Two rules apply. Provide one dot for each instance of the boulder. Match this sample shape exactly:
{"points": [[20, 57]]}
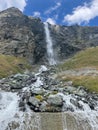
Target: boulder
{"points": [[55, 100], [43, 106], [38, 91], [34, 101]]}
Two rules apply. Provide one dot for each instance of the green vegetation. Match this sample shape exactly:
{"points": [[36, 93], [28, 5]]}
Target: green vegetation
{"points": [[89, 82], [39, 97], [85, 58], [11, 65]]}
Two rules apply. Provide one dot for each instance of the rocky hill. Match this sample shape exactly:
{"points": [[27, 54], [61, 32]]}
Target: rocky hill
{"points": [[19, 34], [24, 36]]}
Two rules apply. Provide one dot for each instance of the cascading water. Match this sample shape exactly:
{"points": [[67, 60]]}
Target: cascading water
{"points": [[76, 113], [10, 116], [85, 119], [50, 51]]}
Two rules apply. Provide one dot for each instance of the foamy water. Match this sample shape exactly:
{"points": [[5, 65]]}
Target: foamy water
{"points": [[9, 112], [86, 118], [8, 108]]}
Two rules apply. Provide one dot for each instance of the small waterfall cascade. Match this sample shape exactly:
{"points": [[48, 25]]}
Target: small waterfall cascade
{"points": [[86, 119], [50, 52], [12, 118], [76, 113]]}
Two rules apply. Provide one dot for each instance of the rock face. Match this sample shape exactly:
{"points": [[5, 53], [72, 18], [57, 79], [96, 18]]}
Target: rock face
{"points": [[70, 39], [24, 36], [20, 35]]}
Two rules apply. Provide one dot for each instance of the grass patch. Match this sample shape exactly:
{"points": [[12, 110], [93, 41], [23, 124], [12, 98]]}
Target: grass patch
{"points": [[89, 82], [11, 65], [85, 58]]}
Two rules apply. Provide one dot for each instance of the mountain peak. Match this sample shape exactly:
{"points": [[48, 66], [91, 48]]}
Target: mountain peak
{"points": [[10, 12], [13, 9]]}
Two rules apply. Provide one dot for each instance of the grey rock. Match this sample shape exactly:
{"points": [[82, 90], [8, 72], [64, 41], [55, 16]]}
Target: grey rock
{"points": [[22, 106], [81, 92], [69, 83], [76, 103], [21, 77], [34, 101], [38, 91], [56, 100], [69, 89], [43, 106]]}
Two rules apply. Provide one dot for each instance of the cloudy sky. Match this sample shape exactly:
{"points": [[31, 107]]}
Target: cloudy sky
{"points": [[66, 12]]}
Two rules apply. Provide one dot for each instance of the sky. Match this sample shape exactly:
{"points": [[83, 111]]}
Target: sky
{"points": [[63, 12]]}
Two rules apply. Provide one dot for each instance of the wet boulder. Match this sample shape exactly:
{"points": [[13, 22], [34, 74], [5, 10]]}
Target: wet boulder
{"points": [[55, 100]]}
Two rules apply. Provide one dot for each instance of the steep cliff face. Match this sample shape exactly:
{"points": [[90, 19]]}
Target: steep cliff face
{"points": [[24, 36], [20, 35], [70, 39]]}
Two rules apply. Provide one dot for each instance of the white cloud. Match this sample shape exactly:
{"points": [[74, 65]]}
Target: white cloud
{"points": [[51, 21], [4, 4], [83, 14], [53, 8], [36, 14]]}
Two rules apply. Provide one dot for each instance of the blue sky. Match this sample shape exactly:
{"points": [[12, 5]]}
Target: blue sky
{"points": [[65, 12]]}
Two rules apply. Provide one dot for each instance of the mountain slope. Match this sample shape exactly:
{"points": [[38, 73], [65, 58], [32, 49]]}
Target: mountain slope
{"points": [[82, 69], [22, 35], [85, 58], [11, 65]]}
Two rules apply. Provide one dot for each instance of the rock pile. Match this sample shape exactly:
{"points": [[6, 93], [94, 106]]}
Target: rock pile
{"points": [[42, 93]]}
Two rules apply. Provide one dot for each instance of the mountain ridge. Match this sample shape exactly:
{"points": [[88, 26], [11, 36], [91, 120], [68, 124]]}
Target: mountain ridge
{"points": [[24, 36]]}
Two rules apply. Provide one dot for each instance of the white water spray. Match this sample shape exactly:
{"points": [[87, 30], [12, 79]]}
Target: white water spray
{"points": [[50, 52]]}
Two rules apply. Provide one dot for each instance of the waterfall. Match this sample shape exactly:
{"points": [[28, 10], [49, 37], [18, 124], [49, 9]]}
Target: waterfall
{"points": [[50, 51]]}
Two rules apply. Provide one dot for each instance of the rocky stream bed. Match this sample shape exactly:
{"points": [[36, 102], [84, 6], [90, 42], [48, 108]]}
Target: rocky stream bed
{"points": [[24, 94]]}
